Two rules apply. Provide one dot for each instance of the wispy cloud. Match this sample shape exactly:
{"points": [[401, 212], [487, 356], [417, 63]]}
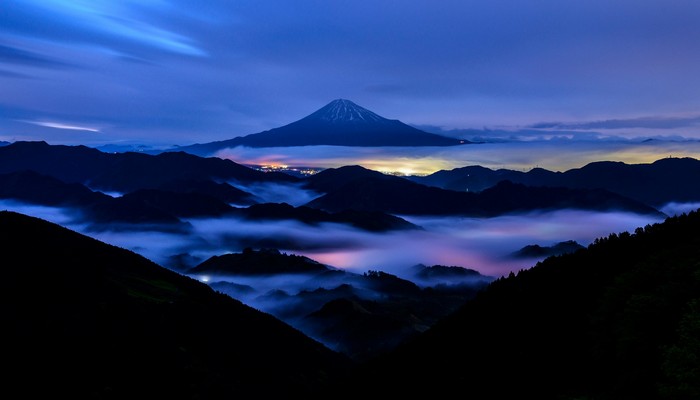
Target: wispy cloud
{"points": [[644, 122], [13, 55], [62, 125], [124, 27]]}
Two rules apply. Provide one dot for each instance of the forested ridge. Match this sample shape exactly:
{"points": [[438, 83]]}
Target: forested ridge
{"points": [[619, 319]]}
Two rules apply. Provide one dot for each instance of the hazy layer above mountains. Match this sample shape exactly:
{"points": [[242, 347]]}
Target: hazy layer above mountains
{"points": [[555, 155]]}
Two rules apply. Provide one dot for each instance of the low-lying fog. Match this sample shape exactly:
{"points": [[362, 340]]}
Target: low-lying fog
{"points": [[483, 244]]}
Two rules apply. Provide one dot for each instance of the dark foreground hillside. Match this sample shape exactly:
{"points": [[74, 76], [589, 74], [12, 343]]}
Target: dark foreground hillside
{"points": [[84, 319], [617, 320]]}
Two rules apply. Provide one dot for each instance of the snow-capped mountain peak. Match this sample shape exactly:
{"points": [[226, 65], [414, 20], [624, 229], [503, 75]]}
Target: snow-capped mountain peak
{"points": [[342, 110]]}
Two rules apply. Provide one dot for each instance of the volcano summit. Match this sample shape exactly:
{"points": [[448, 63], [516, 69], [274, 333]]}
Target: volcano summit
{"points": [[339, 123]]}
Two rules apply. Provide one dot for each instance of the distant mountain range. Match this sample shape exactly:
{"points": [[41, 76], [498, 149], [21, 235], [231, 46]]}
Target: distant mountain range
{"points": [[125, 172], [167, 187], [663, 181], [168, 208], [339, 123], [357, 188]]}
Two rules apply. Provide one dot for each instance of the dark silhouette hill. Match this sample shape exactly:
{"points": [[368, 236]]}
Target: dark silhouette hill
{"points": [[32, 187], [95, 208], [165, 207], [443, 274], [84, 319], [125, 172], [536, 250], [354, 188], [258, 262], [617, 320], [339, 123], [332, 179], [656, 184]]}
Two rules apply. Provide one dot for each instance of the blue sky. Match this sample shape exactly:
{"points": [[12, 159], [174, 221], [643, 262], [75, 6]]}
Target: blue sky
{"points": [[181, 72]]}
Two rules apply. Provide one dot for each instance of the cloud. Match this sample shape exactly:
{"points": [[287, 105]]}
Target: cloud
{"points": [[675, 208], [483, 244], [646, 122], [120, 26], [271, 192], [62, 125], [15, 55]]}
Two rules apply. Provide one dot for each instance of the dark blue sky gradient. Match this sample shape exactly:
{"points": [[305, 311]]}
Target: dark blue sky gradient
{"points": [[181, 72]]}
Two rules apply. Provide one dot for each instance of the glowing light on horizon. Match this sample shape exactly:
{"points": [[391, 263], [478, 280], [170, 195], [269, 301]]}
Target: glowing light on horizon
{"points": [[520, 156]]}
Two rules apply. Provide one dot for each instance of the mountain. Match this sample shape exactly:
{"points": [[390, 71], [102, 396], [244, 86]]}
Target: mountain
{"points": [[258, 262], [656, 184], [125, 172], [93, 208], [339, 123], [619, 319], [90, 320], [31, 187], [446, 275], [535, 250], [165, 208], [355, 188]]}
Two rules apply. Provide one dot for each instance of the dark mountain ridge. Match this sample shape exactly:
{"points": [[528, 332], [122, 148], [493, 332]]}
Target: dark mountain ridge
{"points": [[168, 208], [89, 320], [356, 188], [619, 319], [538, 251], [197, 181], [125, 172], [260, 262], [339, 123], [656, 184]]}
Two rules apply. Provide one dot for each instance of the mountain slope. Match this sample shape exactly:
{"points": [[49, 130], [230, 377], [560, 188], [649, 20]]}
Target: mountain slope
{"points": [[166, 207], [88, 320], [617, 320], [339, 123], [355, 188], [670, 179], [125, 172]]}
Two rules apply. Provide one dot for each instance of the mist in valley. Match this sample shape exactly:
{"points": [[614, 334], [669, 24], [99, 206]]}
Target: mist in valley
{"points": [[483, 244]]}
